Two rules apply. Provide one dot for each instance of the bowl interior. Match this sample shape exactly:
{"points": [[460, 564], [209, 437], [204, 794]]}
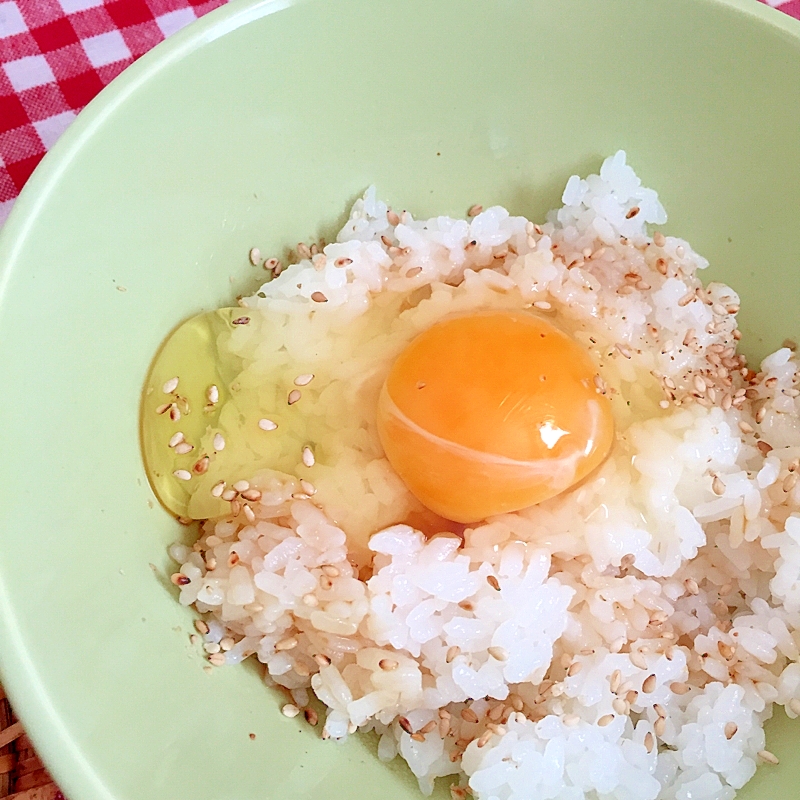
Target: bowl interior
{"points": [[258, 126]]}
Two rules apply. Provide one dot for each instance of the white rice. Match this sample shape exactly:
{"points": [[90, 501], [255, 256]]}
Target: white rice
{"points": [[645, 622]]}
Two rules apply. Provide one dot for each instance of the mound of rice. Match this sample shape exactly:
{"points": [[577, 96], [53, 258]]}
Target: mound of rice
{"points": [[624, 640]]}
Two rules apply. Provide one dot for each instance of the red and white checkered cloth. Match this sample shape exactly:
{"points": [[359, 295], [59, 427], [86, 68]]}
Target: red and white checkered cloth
{"points": [[56, 55]]}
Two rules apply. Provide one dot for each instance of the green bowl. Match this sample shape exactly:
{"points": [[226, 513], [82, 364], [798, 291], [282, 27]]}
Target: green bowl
{"points": [[259, 125]]}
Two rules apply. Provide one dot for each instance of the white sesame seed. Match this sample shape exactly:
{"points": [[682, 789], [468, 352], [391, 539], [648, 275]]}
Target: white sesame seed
{"points": [[267, 425], [649, 742], [717, 486], [174, 412], [286, 644], [730, 730], [252, 495], [498, 653], [229, 494], [543, 305], [219, 441], [217, 659], [176, 439], [255, 256], [294, 396], [212, 393], [217, 489], [182, 474], [183, 448], [304, 380], [311, 600], [691, 586], [638, 660], [308, 456], [770, 758], [389, 664], [620, 706], [241, 486], [473, 211], [170, 386], [453, 652], [308, 487], [249, 514], [290, 710]]}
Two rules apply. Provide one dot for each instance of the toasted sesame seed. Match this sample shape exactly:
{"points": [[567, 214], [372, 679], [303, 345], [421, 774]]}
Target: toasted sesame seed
{"points": [[649, 742], [770, 758], [764, 448], [311, 716], [789, 482], [392, 217], [485, 737], [493, 582], [163, 408], [659, 726], [760, 414], [286, 644], [717, 486], [691, 586], [389, 664], [240, 321], [605, 720], [179, 579], [308, 456], [730, 730], [474, 210], [413, 272], [201, 465], [649, 684], [217, 659], [319, 297], [251, 495], [744, 427], [499, 653], [632, 212], [405, 724], [725, 650], [574, 668], [174, 412], [294, 396], [658, 239], [679, 688], [687, 298], [452, 653], [182, 474], [468, 715], [176, 439]]}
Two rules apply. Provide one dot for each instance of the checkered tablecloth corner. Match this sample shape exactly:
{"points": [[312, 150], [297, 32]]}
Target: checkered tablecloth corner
{"points": [[56, 55]]}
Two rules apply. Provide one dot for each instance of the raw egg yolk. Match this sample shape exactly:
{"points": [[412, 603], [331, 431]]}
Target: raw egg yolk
{"points": [[492, 412]]}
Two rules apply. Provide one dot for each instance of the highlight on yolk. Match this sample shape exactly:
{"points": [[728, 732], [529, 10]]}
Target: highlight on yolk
{"points": [[492, 412]]}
